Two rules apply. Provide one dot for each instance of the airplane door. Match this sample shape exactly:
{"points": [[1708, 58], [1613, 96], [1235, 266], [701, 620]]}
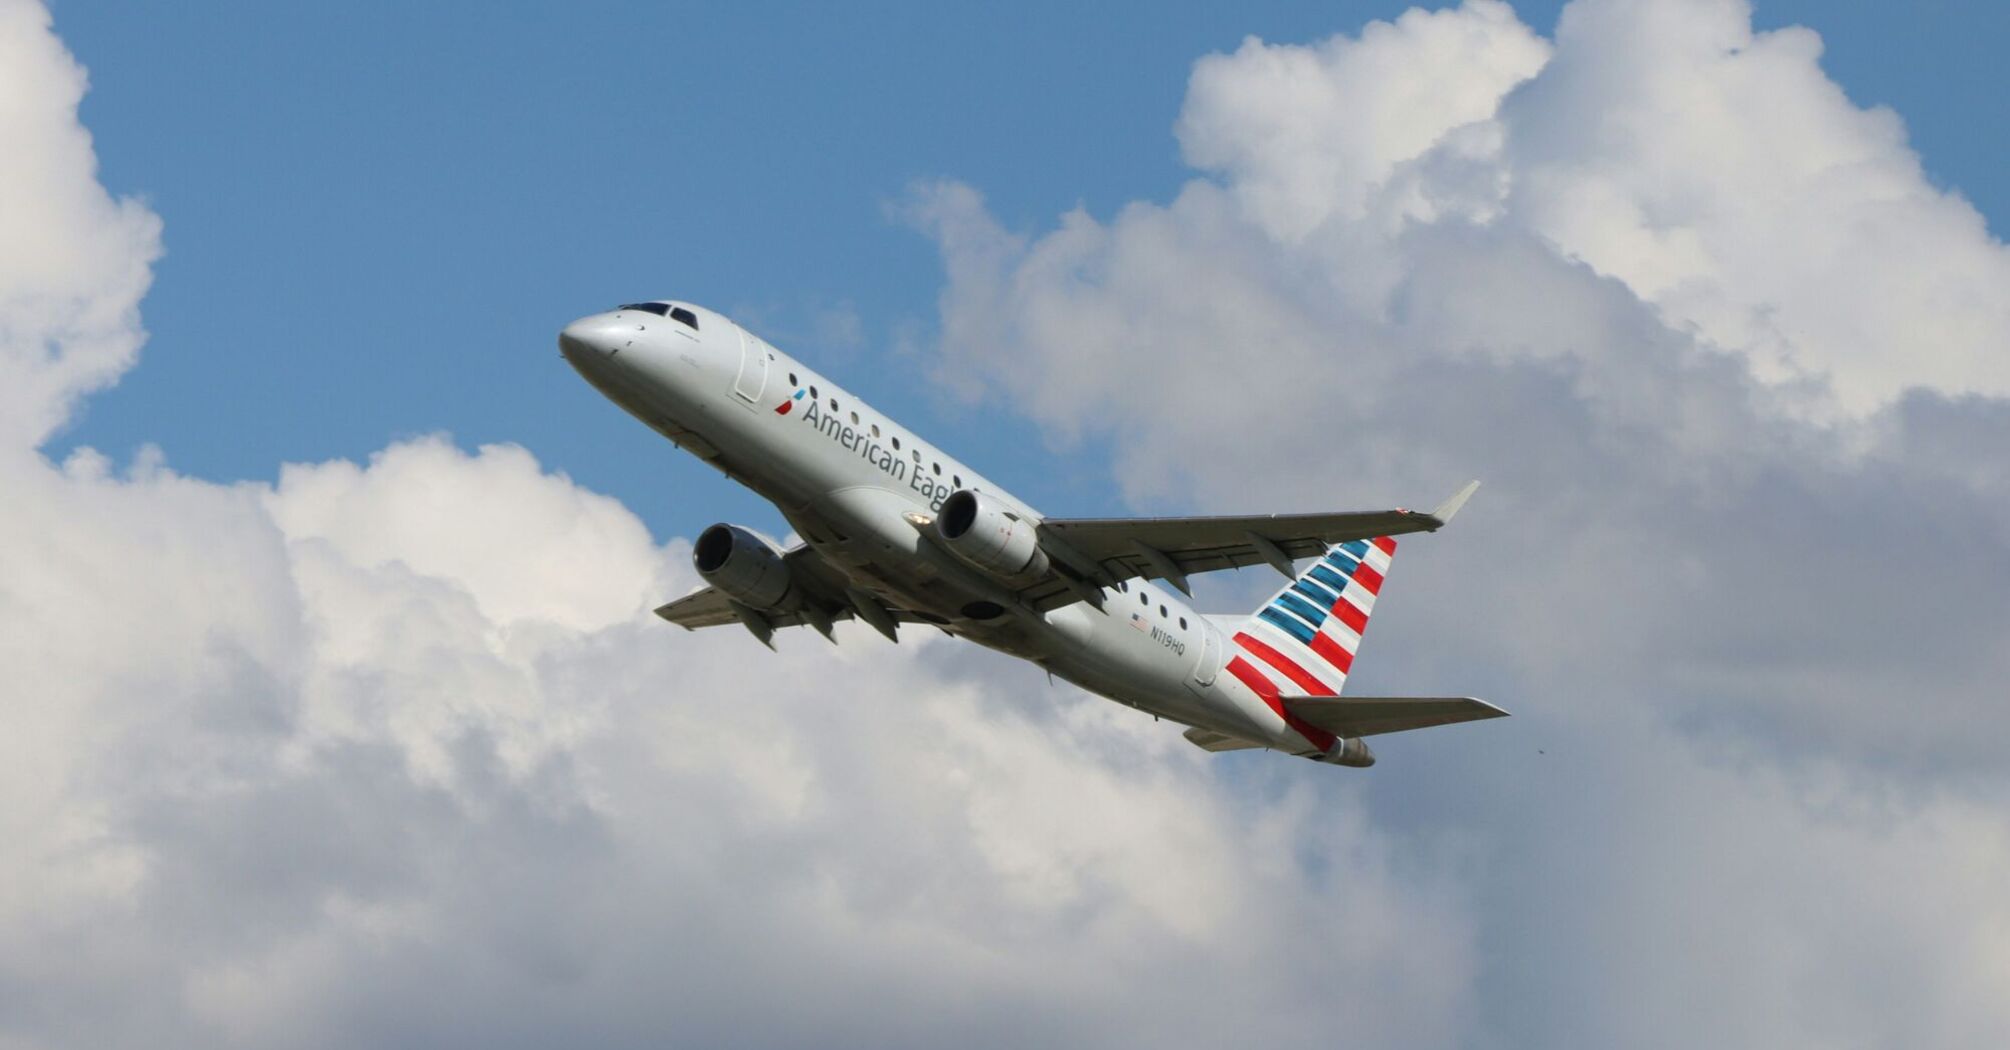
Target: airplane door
{"points": [[1210, 655], [753, 367]]}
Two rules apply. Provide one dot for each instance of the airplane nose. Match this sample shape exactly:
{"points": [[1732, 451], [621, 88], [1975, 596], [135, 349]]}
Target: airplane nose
{"points": [[587, 338]]}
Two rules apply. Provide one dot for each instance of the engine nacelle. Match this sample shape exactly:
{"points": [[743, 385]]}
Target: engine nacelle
{"points": [[991, 538], [746, 567], [1352, 751]]}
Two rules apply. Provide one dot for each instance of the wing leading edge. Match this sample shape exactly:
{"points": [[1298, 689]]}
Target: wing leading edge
{"points": [[1107, 550]]}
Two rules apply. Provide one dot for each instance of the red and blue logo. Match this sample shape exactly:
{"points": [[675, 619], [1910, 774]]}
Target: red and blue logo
{"points": [[784, 408]]}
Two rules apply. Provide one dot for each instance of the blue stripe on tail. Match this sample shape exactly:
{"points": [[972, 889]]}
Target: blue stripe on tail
{"points": [[1290, 626], [1312, 614], [1320, 595], [1333, 580]]}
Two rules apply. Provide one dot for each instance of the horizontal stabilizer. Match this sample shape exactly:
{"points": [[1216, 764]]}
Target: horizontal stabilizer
{"points": [[1354, 716], [1209, 740]]}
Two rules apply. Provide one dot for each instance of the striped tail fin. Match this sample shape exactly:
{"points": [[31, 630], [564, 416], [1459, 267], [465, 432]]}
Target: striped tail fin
{"points": [[1303, 639]]}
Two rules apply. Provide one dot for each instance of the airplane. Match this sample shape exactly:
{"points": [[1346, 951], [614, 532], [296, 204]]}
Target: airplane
{"points": [[896, 531]]}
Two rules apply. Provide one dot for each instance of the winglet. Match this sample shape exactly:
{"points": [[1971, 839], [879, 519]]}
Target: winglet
{"points": [[1451, 506]]}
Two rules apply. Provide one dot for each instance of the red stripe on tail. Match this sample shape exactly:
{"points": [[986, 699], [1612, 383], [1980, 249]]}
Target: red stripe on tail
{"points": [[1248, 675], [1350, 615], [1330, 650], [1284, 663]]}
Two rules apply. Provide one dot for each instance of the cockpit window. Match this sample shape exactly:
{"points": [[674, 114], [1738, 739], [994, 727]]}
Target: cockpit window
{"points": [[659, 309], [686, 316]]}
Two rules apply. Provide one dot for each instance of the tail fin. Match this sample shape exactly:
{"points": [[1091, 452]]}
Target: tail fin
{"points": [[1306, 634]]}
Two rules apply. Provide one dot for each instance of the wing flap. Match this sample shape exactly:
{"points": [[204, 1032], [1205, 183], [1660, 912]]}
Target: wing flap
{"points": [[1209, 740], [1356, 716], [703, 607], [706, 607]]}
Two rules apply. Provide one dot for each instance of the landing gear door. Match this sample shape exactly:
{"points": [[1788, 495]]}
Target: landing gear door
{"points": [[753, 367]]}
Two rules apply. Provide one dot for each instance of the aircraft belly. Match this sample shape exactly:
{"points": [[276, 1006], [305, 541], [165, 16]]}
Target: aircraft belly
{"points": [[862, 532], [1174, 704], [1104, 653]]}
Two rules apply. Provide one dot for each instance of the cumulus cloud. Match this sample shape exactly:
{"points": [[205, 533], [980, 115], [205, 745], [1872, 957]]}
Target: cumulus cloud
{"points": [[1725, 179], [1733, 370], [1715, 171], [74, 261], [1377, 349], [287, 770], [1310, 133], [391, 752]]}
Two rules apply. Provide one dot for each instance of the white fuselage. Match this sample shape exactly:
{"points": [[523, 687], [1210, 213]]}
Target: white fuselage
{"points": [[852, 482]]}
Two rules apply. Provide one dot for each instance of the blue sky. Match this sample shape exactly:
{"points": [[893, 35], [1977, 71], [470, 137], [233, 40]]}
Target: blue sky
{"points": [[344, 735], [377, 214]]}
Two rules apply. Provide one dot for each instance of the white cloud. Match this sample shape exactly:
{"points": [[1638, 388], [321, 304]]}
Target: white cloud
{"points": [[392, 752], [73, 260], [544, 551], [1728, 181], [1438, 335], [1732, 370], [283, 771], [1716, 172], [1314, 132]]}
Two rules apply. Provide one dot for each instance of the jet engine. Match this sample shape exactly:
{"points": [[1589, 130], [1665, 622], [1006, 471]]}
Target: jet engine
{"points": [[1352, 751], [980, 530], [746, 567]]}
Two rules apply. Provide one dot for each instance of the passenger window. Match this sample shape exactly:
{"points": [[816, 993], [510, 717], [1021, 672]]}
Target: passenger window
{"points": [[896, 444], [917, 456], [813, 391], [854, 419], [1144, 599], [956, 480], [875, 430], [1182, 623], [1162, 612], [834, 404], [938, 469], [792, 379]]}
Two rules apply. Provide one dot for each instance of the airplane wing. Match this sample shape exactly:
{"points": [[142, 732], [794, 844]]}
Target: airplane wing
{"points": [[1352, 716], [1170, 548], [824, 593], [710, 607], [706, 607]]}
